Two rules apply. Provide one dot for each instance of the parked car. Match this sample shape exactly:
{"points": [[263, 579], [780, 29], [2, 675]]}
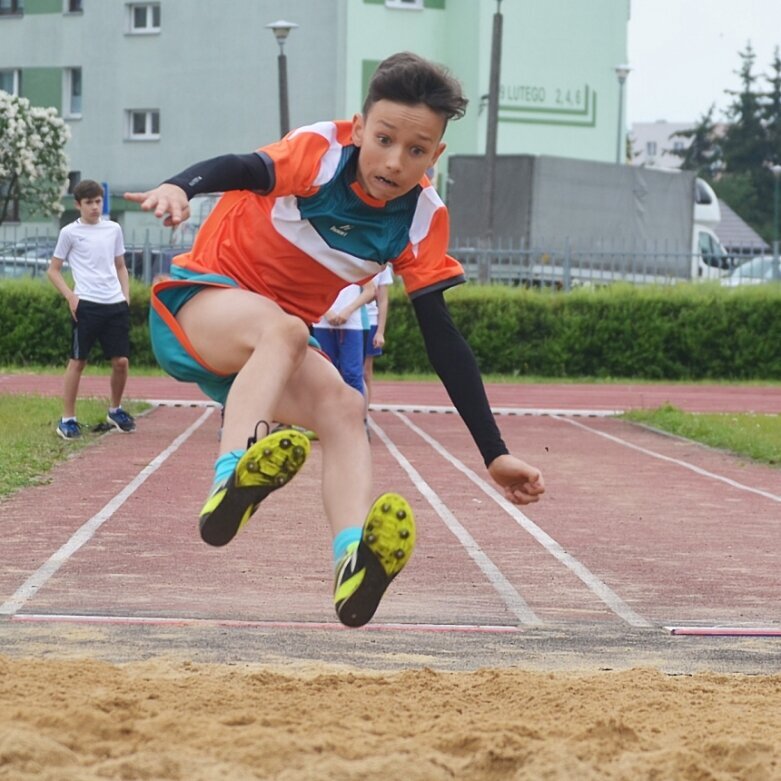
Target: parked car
{"points": [[146, 262], [28, 257], [752, 272]]}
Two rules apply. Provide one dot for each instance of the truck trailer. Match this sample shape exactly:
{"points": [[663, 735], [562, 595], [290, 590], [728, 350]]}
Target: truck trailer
{"points": [[564, 222]]}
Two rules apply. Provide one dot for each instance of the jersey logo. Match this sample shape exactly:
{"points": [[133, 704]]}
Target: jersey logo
{"points": [[341, 230]]}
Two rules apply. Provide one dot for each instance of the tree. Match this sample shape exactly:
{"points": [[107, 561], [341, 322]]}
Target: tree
{"points": [[747, 184], [33, 165], [745, 143], [703, 154], [771, 110]]}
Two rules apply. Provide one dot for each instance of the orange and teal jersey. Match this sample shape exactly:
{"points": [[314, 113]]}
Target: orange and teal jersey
{"points": [[317, 231]]}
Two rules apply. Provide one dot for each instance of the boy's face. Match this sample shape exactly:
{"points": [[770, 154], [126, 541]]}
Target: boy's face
{"points": [[90, 209], [398, 143]]}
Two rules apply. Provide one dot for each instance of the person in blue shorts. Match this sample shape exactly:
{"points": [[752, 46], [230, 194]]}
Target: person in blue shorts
{"points": [[340, 332], [374, 336]]}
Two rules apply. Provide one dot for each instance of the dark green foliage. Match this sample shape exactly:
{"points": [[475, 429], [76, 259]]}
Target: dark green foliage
{"points": [[703, 154], [688, 332], [35, 325], [736, 160]]}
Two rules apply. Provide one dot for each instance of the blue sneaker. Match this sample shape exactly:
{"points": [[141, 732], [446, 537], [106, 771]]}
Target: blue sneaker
{"points": [[121, 420], [69, 429]]}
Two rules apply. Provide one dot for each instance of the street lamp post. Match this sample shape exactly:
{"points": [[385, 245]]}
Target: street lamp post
{"points": [[622, 71], [281, 30], [776, 169]]}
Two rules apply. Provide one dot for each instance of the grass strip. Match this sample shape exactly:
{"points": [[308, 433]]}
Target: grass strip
{"points": [[750, 435], [30, 446]]}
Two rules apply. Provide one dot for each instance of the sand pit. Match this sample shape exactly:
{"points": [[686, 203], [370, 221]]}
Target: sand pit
{"points": [[79, 720]]}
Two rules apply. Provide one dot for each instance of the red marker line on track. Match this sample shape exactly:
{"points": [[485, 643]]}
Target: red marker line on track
{"points": [[726, 631], [237, 624]]}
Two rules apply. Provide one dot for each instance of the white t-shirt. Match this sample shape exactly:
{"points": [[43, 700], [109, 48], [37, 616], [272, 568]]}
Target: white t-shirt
{"points": [[384, 278], [90, 250], [346, 296]]}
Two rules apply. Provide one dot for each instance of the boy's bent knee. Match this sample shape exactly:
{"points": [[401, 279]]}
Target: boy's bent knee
{"points": [[293, 333], [120, 363], [344, 405]]}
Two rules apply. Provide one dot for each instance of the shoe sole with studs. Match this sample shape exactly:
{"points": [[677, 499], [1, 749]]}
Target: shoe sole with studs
{"points": [[266, 466], [386, 546]]}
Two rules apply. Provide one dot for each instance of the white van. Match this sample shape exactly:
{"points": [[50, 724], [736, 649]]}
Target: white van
{"points": [[708, 254]]}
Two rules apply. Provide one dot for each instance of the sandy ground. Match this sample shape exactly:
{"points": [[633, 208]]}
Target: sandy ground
{"points": [[78, 720]]}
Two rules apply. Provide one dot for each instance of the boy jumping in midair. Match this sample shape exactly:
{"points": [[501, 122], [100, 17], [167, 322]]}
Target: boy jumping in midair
{"points": [[328, 205]]}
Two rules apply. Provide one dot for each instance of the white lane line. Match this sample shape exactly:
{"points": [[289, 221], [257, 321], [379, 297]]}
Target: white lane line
{"points": [[685, 464], [594, 584], [725, 631], [247, 624], [511, 598], [499, 411], [83, 534], [430, 409], [183, 403]]}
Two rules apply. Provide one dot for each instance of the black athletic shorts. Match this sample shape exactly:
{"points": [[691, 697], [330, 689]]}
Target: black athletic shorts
{"points": [[107, 323]]}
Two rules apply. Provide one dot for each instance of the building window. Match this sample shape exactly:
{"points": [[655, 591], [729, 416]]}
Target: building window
{"points": [[72, 92], [678, 146], [650, 148], [143, 124], [9, 81], [144, 18], [11, 7], [415, 5], [74, 6]]}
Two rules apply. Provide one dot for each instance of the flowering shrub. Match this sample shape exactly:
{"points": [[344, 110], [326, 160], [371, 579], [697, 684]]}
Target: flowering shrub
{"points": [[33, 165]]}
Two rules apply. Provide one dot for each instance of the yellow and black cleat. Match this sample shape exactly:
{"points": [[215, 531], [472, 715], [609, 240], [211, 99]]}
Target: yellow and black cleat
{"points": [[267, 465], [366, 571]]}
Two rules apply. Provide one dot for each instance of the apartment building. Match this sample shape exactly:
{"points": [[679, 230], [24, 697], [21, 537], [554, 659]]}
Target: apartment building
{"points": [[149, 87]]}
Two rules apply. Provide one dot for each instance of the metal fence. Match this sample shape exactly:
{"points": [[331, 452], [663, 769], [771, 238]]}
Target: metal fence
{"points": [[556, 265], [26, 253], [559, 265]]}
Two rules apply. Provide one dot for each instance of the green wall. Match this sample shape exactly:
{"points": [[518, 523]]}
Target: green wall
{"points": [[43, 87], [426, 3], [43, 6]]}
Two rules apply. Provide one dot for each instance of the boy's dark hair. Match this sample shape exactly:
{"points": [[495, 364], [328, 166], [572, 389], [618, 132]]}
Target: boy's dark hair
{"points": [[87, 188], [410, 79]]}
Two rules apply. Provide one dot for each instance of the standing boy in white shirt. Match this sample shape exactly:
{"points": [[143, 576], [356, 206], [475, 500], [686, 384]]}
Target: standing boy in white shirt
{"points": [[99, 302]]}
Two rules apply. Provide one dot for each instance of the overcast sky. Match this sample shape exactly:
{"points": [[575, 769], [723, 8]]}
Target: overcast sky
{"points": [[684, 53]]}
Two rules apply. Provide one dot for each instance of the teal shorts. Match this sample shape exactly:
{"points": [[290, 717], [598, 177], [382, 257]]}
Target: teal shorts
{"points": [[170, 344]]}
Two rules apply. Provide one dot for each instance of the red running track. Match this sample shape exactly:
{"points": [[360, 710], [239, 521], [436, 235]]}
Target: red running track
{"points": [[637, 529], [583, 396]]}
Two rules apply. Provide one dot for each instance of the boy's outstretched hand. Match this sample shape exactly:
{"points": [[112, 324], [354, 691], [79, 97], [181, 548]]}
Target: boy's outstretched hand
{"points": [[522, 484], [167, 200]]}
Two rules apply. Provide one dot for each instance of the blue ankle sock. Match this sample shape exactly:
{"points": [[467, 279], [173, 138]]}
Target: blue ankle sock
{"points": [[343, 540], [225, 464]]}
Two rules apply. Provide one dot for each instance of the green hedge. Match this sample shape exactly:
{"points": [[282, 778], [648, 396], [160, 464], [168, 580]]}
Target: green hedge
{"points": [[35, 325], [687, 332]]}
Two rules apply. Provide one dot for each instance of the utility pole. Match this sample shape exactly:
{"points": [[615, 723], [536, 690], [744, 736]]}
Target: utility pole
{"points": [[492, 122]]}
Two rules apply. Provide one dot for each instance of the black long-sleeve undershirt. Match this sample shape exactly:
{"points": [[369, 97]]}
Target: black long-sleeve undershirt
{"points": [[454, 362], [253, 171]]}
